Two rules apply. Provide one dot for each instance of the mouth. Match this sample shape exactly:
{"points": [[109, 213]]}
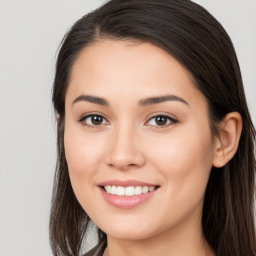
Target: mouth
{"points": [[127, 194], [129, 190]]}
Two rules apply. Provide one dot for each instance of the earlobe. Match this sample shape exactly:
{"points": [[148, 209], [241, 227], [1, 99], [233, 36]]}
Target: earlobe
{"points": [[226, 145]]}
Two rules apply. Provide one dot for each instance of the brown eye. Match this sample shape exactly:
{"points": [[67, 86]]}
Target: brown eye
{"points": [[161, 120], [93, 120], [96, 120]]}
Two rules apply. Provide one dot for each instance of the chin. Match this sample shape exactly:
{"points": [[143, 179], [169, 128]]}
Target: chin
{"points": [[131, 231], [130, 234]]}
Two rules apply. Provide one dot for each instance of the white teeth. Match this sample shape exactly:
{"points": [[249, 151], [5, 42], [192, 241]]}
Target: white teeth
{"points": [[138, 190], [128, 191], [151, 189], [120, 191], [108, 189], [145, 189], [113, 190]]}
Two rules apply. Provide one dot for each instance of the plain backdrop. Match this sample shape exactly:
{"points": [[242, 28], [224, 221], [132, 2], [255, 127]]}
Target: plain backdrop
{"points": [[30, 33]]}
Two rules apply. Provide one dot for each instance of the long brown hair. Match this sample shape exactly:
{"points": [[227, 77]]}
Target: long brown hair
{"points": [[199, 42]]}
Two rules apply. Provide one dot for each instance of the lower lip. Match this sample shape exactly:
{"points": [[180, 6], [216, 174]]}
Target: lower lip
{"points": [[126, 202]]}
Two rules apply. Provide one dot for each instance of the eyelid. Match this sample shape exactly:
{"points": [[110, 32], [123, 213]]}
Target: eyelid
{"points": [[81, 120], [172, 119]]}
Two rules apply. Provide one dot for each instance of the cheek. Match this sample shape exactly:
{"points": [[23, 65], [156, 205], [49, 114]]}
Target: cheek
{"points": [[82, 151], [83, 154], [185, 161]]}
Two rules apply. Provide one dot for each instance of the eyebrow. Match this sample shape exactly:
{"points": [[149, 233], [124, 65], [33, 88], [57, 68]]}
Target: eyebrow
{"points": [[142, 103], [92, 99], [160, 99]]}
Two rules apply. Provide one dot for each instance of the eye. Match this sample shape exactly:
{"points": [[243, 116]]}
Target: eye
{"points": [[161, 120], [93, 120]]}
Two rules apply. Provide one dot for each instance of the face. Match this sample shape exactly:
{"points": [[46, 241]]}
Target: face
{"points": [[137, 140]]}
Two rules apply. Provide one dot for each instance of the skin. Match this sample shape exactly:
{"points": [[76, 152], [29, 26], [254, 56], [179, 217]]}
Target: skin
{"points": [[129, 144]]}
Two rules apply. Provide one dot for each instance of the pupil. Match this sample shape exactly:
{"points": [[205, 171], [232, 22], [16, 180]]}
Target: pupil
{"points": [[96, 120], [161, 120]]}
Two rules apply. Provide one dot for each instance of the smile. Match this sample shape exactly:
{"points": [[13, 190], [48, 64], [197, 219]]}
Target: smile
{"points": [[128, 191], [127, 194]]}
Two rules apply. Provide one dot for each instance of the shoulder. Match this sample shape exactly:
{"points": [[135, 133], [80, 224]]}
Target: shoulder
{"points": [[98, 250]]}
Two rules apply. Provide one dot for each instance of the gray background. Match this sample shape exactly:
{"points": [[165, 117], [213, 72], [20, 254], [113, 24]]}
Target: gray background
{"points": [[30, 32]]}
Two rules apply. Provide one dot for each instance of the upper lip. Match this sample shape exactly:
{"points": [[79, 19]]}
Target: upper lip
{"points": [[126, 183]]}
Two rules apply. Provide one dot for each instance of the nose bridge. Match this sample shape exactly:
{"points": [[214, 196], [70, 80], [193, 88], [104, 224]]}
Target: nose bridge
{"points": [[125, 152]]}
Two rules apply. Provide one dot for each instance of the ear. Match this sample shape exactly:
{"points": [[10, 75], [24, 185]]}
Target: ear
{"points": [[226, 145]]}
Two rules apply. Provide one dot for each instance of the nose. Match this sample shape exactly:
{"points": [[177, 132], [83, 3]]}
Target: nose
{"points": [[125, 151]]}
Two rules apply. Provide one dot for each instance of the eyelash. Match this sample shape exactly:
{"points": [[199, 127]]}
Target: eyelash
{"points": [[171, 120], [82, 120]]}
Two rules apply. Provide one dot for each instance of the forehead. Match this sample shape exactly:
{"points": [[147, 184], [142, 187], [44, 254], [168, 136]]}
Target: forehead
{"points": [[112, 67]]}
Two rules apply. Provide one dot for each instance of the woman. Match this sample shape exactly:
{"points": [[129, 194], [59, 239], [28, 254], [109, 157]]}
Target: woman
{"points": [[155, 141]]}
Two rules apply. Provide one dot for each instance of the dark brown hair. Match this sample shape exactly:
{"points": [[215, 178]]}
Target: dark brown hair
{"points": [[198, 41]]}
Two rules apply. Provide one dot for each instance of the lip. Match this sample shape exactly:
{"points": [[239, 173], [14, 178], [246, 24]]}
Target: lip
{"points": [[126, 183], [126, 202]]}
